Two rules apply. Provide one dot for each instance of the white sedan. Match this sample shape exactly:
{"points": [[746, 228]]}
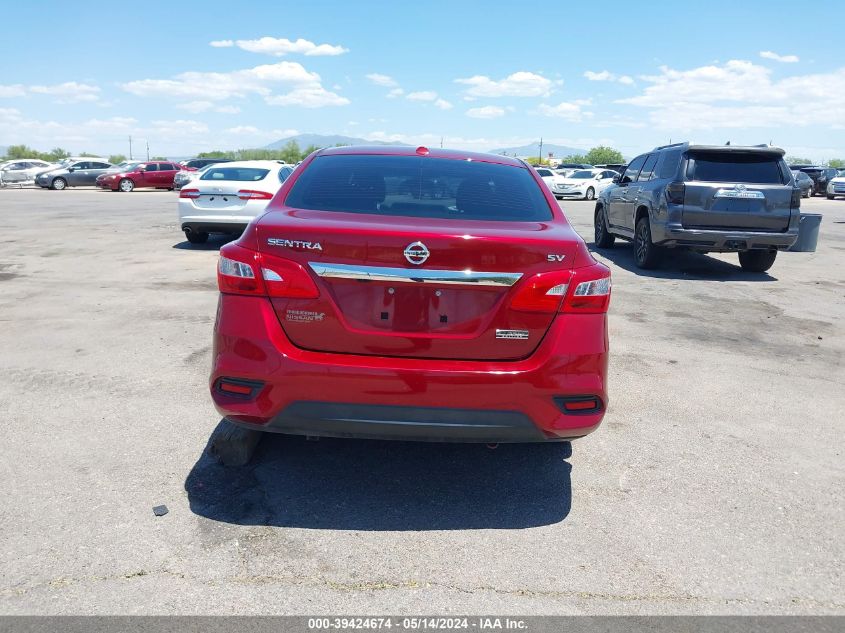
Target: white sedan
{"points": [[553, 180], [227, 196], [20, 171], [585, 183]]}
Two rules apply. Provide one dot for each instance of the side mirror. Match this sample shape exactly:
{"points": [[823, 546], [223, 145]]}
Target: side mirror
{"points": [[617, 178], [71, 168], [142, 168]]}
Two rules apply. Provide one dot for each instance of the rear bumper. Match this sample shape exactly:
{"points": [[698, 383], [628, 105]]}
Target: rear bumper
{"points": [[342, 395], [723, 240]]}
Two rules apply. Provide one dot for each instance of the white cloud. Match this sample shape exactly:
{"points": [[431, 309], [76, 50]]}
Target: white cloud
{"points": [[786, 59], [741, 94], [422, 95], [280, 46], [307, 91], [443, 104], [519, 84], [396, 92], [382, 80], [242, 129], [14, 90], [567, 110], [69, 92], [227, 109], [606, 75], [314, 96], [486, 112]]}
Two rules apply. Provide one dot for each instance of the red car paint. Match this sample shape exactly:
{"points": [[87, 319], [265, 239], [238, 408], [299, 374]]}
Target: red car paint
{"points": [[159, 178], [309, 350]]}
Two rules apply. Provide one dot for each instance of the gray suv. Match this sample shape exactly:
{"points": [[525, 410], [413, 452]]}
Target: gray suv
{"points": [[704, 198]]}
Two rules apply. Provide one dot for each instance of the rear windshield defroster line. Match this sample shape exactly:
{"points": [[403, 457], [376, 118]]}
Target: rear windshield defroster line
{"points": [[420, 187]]}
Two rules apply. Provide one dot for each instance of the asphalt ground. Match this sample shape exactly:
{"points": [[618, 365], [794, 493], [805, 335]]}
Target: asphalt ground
{"points": [[715, 484]]}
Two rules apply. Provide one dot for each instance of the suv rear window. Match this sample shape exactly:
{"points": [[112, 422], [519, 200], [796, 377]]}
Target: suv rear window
{"points": [[735, 167], [240, 174], [420, 187]]}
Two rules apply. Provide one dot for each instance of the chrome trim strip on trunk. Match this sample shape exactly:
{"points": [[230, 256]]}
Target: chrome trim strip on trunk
{"points": [[408, 275]]}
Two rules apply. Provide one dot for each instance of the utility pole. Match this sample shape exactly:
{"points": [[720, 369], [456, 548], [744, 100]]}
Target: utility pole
{"points": [[441, 142], [130, 147], [148, 149], [541, 151]]}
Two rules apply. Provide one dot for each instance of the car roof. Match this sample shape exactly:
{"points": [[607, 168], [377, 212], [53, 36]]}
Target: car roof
{"points": [[408, 150], [261, 164]]}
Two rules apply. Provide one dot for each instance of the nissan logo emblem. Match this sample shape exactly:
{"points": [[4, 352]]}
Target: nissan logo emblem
{"points": [[416, 253]]}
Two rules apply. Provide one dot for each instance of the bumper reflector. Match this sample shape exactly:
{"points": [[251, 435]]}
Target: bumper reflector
{"points": [[237, 388], [578, 405]]}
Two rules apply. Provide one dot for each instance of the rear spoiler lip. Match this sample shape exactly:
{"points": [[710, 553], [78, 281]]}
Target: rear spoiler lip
{"points": [[745, 149]]}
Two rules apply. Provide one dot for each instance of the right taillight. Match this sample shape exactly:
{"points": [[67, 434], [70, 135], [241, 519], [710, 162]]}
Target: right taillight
{"points": [[189, 193], [245, 272], [675, 192], [589, 290]]}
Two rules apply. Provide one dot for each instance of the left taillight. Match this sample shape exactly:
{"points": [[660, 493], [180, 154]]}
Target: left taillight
{"points": [[189, 193], [245, 272]]}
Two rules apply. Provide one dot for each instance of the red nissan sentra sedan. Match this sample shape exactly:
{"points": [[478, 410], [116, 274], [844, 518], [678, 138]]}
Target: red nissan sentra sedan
{"points": [[396, 293]]}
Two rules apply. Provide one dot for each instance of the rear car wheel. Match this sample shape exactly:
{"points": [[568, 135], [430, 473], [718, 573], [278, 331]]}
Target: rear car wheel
{"points": [[196, 237], [603, 237], [646, 252], [126, 185], [831, 197], [591, 194], [58, 184], [757, 261]]}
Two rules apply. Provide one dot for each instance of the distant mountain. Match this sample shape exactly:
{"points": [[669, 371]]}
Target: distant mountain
{"points": [[324, 140], [527, 151]]}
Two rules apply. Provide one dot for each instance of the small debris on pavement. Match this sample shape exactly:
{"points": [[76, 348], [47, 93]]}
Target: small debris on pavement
{"points": [[160, 511]]}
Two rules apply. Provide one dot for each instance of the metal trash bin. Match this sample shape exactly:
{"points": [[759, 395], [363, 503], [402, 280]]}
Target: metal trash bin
{"points": [[808, 233]]}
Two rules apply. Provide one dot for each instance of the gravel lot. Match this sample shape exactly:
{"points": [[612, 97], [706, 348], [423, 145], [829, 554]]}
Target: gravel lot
{"points": [[715, 484]]}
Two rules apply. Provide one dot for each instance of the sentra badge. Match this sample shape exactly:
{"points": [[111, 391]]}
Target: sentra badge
{"points": [[278, 241]]}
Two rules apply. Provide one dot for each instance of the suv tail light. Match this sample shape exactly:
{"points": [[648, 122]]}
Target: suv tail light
{"points": [[675, 192], [189, 193], [245, 272], [796, 198], [252, 194], [584, 290]]}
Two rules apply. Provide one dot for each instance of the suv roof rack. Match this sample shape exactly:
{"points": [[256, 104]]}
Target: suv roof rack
{"points": [[670, 145]]}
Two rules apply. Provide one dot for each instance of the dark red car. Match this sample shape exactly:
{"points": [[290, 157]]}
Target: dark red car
{"points": [[412, 294], [156, 174]]}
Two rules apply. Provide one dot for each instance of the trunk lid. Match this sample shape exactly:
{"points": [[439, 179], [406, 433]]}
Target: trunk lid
{"points": [[374, 300]]}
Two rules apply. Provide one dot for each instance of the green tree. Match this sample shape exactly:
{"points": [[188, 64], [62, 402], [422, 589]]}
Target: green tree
{"points": [[16, 152], [291, 152], [574, 158], [159, 158], [56, 154], [603, 155], [114, 159], [797, 160], [310, 150], [216, 154], [838, 163], [89, 154]]}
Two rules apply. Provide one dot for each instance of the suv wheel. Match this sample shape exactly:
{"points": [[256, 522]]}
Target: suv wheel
{"points": [[646, 252], [757, 261], [196, 237], [591, 194], [58, 184], [603, 237]]}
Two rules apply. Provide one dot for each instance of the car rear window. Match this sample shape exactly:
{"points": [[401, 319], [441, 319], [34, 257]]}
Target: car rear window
{"points": [[420, 187], [241, 174], [735, 167]]}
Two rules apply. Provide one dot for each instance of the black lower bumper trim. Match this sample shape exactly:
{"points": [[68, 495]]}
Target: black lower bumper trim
{"points": [[430, 424]]}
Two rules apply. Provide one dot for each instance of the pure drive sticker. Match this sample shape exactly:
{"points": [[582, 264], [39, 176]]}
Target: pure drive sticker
{"points": [[304, 316]]}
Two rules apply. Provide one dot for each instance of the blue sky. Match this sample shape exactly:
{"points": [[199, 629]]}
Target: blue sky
{"points": [[84, 76]]}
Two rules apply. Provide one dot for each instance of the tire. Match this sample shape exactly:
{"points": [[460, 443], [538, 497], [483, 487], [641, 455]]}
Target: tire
{"points": [[805, 194], [591, 194], [59, 184], [196, 237], [603, 237], [757, 261], [646, 252], [831, 197], [126, 185]]}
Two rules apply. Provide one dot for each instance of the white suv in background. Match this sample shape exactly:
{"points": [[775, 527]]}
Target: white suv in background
{"points": [[225, 197]]}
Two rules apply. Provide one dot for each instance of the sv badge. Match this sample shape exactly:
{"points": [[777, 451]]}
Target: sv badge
{"points": [[555, 258]]}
